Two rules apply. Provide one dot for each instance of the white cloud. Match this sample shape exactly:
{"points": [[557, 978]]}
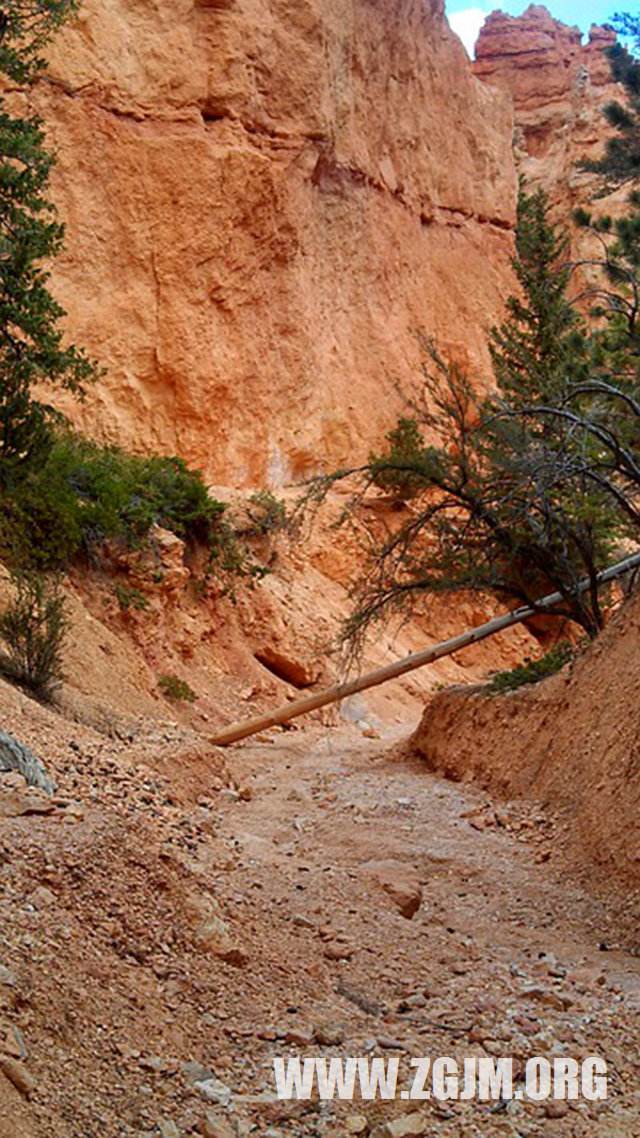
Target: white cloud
{"points": [[467, 24]]}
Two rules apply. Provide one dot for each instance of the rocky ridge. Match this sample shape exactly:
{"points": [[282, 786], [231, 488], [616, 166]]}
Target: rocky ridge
{"points": [[559, 87]]}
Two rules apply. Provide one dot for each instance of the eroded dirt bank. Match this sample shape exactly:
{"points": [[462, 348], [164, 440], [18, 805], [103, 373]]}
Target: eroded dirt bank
{"points": [[188, 915], [573, 740]]}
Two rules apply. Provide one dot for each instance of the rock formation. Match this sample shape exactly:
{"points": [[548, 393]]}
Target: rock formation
{"points": [[559, 88], [262, 199]]}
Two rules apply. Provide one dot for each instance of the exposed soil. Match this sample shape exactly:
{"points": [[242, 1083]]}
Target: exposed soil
{"points": [[573, 741], [173, 913]]}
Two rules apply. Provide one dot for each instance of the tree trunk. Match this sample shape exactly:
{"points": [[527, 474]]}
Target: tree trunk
{"points": [[417, 660]]}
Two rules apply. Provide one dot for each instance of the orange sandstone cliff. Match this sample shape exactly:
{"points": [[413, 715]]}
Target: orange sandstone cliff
{"points": [[559, 88], [262, 199]]}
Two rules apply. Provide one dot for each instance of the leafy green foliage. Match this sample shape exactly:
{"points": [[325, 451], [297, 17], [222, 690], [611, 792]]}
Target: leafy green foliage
{"points": [[31, 347], [531, 671], [399, 470], [83, 494], [129, 597], [620, 163], [617, 298], [176, 689], [27, 27], [498, 512], [231, 560], [541, 347], [604, 411], [267, 514], [33, 627]]}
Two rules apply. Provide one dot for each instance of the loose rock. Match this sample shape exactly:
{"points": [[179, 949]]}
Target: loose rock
{"points": [[556, 1109], [17, 1073], [400, 882], [215, 1091], [404, 1127], [168, 1129], [215, 1126], [356, 1124], [329, 1034]]}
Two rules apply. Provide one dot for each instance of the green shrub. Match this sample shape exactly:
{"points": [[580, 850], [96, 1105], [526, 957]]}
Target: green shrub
{"points": [[531, 671], [231, 560], [83, 494], [176, 689], [267, 514], [130, 598], [33, 627]]}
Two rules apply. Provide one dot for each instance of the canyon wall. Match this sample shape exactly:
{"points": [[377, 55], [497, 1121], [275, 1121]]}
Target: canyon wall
{"points": [[262, 199]]}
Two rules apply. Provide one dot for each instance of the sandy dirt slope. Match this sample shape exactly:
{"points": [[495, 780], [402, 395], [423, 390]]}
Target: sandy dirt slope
{"points": [[187, 907], [573, 740]]}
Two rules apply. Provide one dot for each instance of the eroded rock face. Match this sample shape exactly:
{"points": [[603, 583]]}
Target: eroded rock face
{"points": [[262, 198], [559, 87]]}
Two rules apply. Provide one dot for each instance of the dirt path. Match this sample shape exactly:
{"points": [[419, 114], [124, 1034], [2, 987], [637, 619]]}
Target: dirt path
{"points": [[311, 860]]}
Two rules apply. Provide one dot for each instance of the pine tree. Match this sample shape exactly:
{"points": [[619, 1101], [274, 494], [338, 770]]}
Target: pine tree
{"points": [[541, 346], [31, 342], [513, 498]]}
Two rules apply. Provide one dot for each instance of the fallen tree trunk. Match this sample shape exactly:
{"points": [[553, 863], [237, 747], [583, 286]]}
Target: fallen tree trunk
{"points": [[416, 660]]}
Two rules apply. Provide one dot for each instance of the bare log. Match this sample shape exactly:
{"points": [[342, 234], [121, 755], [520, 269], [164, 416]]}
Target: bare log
{"points": [[400, 667]]}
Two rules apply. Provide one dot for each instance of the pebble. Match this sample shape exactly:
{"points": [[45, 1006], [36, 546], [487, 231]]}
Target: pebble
{"points": [[329, 1034], [400, 882], [300, 1036], [302, 922], [17, 1073], [415, 1001], [168, 1129], [196, 1073], [215, 1091], [153, 1063], [356, 1124], [389, 1043], [403, 1127], [14, 1044], [215, 1126], [543, 996], [338, 952], [556, 1109]]}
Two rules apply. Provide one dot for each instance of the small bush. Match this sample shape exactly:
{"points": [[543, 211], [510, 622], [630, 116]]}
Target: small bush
{"points": [[130, 598], [531, 671], [176, 689], [230, 560], [83, 494], [267, 514], [33, 627]]}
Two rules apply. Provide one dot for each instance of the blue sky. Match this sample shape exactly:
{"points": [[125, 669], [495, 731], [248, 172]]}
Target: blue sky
{"points": [[466, 16]]}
